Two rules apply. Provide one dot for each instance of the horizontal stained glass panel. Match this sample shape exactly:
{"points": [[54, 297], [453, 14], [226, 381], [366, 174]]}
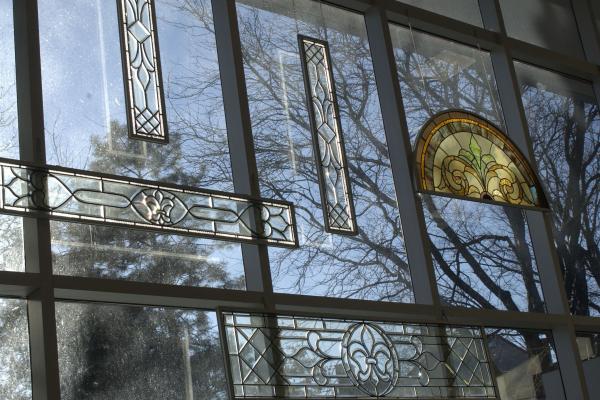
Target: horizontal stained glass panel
{"points": [[66, 194], [297, 357]]}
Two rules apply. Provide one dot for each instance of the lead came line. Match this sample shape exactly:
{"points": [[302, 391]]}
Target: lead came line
{"points": [[142, 71], [328, 142], [83, 196]]}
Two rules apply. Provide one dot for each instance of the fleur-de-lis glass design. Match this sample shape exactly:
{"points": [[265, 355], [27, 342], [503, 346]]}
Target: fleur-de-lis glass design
{"points": [[156, 206], [461, 154], [370, 359]]}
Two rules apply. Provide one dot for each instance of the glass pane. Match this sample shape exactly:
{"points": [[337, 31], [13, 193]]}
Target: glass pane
{"points": [[524, 363], [15, 374], [86, 128], [11, 228], [462, 10], [564, 124], [549, 24], [436, 74], [128, 352], [9, 134], [372, 264], [483, 255], [589, 352]]}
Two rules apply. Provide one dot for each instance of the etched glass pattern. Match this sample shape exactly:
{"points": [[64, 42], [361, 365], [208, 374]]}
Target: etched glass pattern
{"points": [[461, 154], [297, 357], [141, 68], [327, 136], [67, 194]]}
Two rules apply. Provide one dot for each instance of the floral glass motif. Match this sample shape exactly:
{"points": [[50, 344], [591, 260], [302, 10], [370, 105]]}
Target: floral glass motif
{"points": [[328, 141], [461, 154], [66, 194], [141, 68], [298, 357]]}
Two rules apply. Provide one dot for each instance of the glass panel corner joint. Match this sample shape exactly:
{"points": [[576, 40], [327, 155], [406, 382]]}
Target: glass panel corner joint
{"points": [[336, 196], [142, 71]]}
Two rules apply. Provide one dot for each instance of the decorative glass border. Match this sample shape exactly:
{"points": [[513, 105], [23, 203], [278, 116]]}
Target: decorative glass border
{"points": [[74, 195], [287, 357], [328, 142], [488, 168], [142, 71]]}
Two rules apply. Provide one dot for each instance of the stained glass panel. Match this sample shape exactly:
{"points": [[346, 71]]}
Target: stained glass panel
{"points": [[142, 70], [296, 357], [463, 155], [327, 136], [65, 194]]}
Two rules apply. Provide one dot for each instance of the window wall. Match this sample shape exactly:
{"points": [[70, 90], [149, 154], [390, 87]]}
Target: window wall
{"points": [[564, 124], [373, 264], [427, 294], [86, 128]]}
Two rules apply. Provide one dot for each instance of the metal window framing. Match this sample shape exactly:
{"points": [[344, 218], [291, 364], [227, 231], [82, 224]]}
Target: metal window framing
{"points": [[41, 288]]}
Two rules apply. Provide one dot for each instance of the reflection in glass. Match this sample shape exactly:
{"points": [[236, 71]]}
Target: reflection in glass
{"points": [[482, 254], [15, 375], [85, 119], [550, 24], [588, 345], [524, 363], [462, 10], [372, 264], [11, 228], [564, 124], [436, 74], [129, 352]]}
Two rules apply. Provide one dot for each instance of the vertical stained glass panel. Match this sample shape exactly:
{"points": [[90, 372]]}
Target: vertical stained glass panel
{"points": [[141, 69], [327, 136]]}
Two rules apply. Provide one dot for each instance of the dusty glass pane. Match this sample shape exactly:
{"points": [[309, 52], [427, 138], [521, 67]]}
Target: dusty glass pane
{"points": [[549, 24], [15, 375], [138, 353], [85, 122], [588, 345], [482, 254], [11, 228], [524, 363], [372, 264], [436, 74], [462, 10], [564, 124]]}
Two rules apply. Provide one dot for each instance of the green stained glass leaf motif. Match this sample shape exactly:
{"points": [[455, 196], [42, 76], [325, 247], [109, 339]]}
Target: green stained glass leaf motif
{"points": [[476, 160]]}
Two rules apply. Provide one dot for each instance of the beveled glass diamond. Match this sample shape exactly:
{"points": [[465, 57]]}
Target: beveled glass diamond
{"points": [[139, 31]]}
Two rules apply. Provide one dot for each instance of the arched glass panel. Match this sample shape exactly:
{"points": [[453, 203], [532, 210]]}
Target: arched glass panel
{"points": [[463, 155]]}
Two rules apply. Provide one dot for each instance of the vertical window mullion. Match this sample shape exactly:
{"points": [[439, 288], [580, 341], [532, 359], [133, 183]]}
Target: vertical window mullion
{"points": [[239, 131], [36, 231], [396, 130], [540, 225]]}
